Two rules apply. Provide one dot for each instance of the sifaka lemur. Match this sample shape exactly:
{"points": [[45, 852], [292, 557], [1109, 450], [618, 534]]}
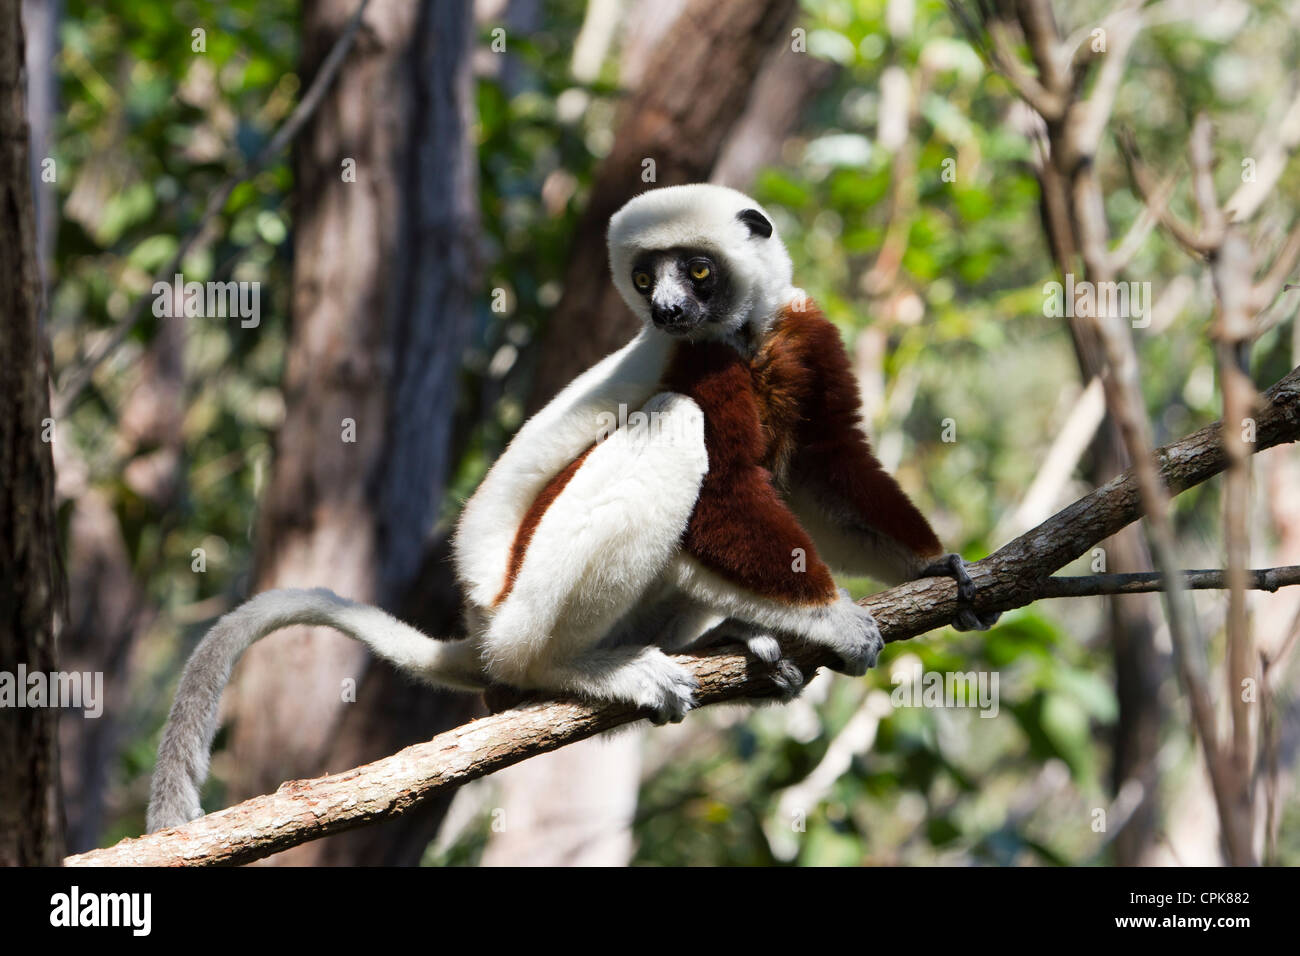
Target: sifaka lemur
{"points": [[697, 485]]}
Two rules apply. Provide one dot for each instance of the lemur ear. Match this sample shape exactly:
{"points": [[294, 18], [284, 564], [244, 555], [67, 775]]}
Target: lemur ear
{"points": [[756, 221]]}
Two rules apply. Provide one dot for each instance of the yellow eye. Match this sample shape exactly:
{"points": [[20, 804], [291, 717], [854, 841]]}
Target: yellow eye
{"points": [[641, 280], [699, 271]]}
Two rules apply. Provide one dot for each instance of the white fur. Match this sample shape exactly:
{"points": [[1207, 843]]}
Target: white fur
{"points": [[842, 625], [601, 546], [546, 443]]}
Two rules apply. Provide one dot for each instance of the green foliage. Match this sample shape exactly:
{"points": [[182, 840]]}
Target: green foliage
{"points": [[149, 128]]}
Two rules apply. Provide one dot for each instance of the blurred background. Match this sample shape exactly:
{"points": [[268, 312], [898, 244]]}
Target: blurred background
{"points": [[430, 258]]}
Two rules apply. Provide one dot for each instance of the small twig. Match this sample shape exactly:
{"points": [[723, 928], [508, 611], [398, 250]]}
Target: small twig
{"points": [[1156, 198], [1282, 138], [1003, 56], [1121, 257], [1200, 149], [1274, 281], [1267, 579], [1126, 24], [1080, 41], [75, 381]]}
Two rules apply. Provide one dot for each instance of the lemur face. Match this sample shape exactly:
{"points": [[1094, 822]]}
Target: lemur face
{"points": [[684, 288], [699, 262]]}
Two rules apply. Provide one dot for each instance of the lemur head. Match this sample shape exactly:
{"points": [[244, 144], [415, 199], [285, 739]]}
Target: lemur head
{"points": [[699, 262]]}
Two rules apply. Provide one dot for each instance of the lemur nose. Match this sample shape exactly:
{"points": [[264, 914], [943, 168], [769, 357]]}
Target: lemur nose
{"points": [[666, 314]]}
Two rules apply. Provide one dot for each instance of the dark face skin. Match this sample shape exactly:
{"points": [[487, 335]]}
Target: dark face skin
{"points": [[685, 288]]}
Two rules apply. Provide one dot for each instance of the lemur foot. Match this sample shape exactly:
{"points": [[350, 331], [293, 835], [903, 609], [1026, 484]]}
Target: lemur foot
{"points": [[784, 672], [967, 618], [663, 687], [651, 680], [853, 635]]}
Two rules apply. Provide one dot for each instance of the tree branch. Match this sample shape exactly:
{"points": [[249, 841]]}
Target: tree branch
{"points": [[1267, 579], [1016, 575]]}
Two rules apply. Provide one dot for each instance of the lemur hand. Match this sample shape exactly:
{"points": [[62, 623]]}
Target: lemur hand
{"points": [[853, 635], [785, 673], [967, 619]]}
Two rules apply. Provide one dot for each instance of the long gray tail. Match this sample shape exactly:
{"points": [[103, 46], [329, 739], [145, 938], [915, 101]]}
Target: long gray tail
{"points": [[187, 739]]}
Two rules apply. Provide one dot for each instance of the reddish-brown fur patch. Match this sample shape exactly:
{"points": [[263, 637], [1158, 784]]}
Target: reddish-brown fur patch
{"points": [[803, 362], [783, 383], [740, 527], [532, 518]]}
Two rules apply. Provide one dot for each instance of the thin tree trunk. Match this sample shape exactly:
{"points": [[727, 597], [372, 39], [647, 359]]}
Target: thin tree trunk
{"points": [[41, 25], [383, 278], [1129, 620], [31, 824], [701, 77], [103, 596]]}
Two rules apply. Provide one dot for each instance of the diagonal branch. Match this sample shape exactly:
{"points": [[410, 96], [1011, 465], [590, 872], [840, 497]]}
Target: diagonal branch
{"points": [[1016, 575]]}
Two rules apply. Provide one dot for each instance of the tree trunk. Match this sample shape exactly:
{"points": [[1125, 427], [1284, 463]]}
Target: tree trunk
{"points": [[31, 824], [383, 278], [699, 80]]}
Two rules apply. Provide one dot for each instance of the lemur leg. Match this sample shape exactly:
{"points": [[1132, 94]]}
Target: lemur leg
{"points": [[643, 676], [598, 550], [840, 624], [665, 618], [967, 619]]}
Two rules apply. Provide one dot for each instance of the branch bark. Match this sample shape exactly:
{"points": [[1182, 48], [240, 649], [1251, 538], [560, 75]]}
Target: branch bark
{"points": [[1266, 579], [1016, 575], [1074, 218]]}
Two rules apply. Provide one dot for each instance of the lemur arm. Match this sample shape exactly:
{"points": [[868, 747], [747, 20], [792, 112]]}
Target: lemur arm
{"points": [[743, 531], [740, 528], [856, 512]]}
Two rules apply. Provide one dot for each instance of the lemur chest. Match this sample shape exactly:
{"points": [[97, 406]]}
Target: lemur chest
{"points": [[754, 407]]}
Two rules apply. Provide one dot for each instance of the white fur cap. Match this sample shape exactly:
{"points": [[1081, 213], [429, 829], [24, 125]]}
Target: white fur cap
{"points": [[702, 216]]}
